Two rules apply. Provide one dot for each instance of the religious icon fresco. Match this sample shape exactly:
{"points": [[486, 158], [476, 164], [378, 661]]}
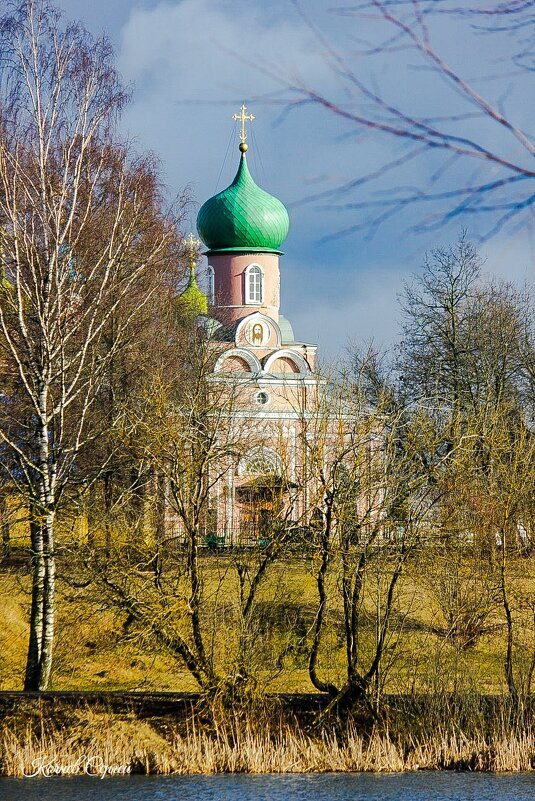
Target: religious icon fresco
{"points": [[257, 333]]}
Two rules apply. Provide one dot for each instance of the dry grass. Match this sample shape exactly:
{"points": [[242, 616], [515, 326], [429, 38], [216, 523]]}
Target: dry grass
{"points": [[102, 744], [94, 652]]}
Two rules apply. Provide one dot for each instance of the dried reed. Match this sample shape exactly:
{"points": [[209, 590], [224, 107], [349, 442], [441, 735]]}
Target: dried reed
{"points": [[102, 744]]}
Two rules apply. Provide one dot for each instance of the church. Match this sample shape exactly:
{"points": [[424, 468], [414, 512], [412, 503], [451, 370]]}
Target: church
{"points": [[272, 375]]}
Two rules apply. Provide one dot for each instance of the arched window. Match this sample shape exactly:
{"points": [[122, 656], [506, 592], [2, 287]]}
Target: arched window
{"points": [[260, 461], [211, 285], [254, 284]]}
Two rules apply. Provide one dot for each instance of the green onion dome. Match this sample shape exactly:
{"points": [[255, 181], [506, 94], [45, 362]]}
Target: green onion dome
{"points": [[243, 216], [192, 302]]}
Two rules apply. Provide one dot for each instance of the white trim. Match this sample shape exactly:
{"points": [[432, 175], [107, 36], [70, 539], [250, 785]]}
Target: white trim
{"points": [[241, 353], [273, 415], [309, 381], [250, 301], [270, 381], [296, 358], [246, 306], [211, 285]]}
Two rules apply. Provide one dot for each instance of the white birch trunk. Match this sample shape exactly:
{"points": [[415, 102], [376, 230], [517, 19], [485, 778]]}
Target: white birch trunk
{"points": [[79, 227]]}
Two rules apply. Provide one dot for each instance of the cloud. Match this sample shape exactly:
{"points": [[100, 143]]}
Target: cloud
{"points": [[349, 309], [511, 259], [344, 307], [194, 61]]}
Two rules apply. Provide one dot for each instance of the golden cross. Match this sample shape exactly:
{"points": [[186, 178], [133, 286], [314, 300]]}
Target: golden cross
{"points": [[243, 118], [192, 246]]}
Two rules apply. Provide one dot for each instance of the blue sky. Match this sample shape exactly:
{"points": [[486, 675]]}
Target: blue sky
{"points": [[191, 63]]}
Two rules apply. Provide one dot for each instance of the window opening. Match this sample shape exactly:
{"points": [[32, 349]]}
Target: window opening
{"points": [[254, 281], [211, 285], [262, 398]]}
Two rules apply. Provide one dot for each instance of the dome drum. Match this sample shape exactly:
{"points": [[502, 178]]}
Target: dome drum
{"points": [[230, 282]]}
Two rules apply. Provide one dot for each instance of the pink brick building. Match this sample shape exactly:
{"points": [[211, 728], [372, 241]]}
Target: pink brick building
{"points": [[270, 374]]}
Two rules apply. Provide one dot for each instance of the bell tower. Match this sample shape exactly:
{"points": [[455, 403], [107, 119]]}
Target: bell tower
{"points": [[271, 375], [243, 228]]}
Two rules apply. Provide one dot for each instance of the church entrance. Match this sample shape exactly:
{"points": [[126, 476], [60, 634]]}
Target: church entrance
{"points": [[260, 505]]}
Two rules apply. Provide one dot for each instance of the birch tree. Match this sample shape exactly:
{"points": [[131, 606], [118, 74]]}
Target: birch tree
{"points": [[80, 230]]}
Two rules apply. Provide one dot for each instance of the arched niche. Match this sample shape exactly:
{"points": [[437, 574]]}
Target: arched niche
{"points": [[258, 331], [284, 365], [286, 361], [237, 360]]}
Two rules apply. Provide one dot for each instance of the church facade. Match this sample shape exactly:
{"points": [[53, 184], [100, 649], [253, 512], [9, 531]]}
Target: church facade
{"points": [[272, 375]]}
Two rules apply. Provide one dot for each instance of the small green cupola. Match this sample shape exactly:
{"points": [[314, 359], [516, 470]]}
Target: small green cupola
{"points": [[243, 216], [192, 302]]}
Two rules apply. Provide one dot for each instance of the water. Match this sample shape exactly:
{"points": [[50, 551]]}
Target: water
{"points": [[423, 786]]}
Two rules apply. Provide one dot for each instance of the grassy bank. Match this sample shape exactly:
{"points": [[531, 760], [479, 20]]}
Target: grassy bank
{"points": [[95, 649], [442, 701], [96, 742]]}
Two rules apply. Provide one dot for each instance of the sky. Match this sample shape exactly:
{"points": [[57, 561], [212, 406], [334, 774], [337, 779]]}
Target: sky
{"points": [[191, 63]]}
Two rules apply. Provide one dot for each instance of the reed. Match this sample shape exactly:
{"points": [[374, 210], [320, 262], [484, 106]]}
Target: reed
{"points": [[100, 744]]}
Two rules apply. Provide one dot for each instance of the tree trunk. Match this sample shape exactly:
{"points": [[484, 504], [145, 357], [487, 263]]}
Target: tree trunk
{"points": [[508, 666], [42, 516], [42, 614], [6, 539], [45, 667], [108, 504], [33, 659], [321, 577], [90, 515]]}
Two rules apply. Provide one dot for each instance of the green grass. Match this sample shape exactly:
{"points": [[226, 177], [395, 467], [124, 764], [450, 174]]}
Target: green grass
{"points": [[94, 652]]}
